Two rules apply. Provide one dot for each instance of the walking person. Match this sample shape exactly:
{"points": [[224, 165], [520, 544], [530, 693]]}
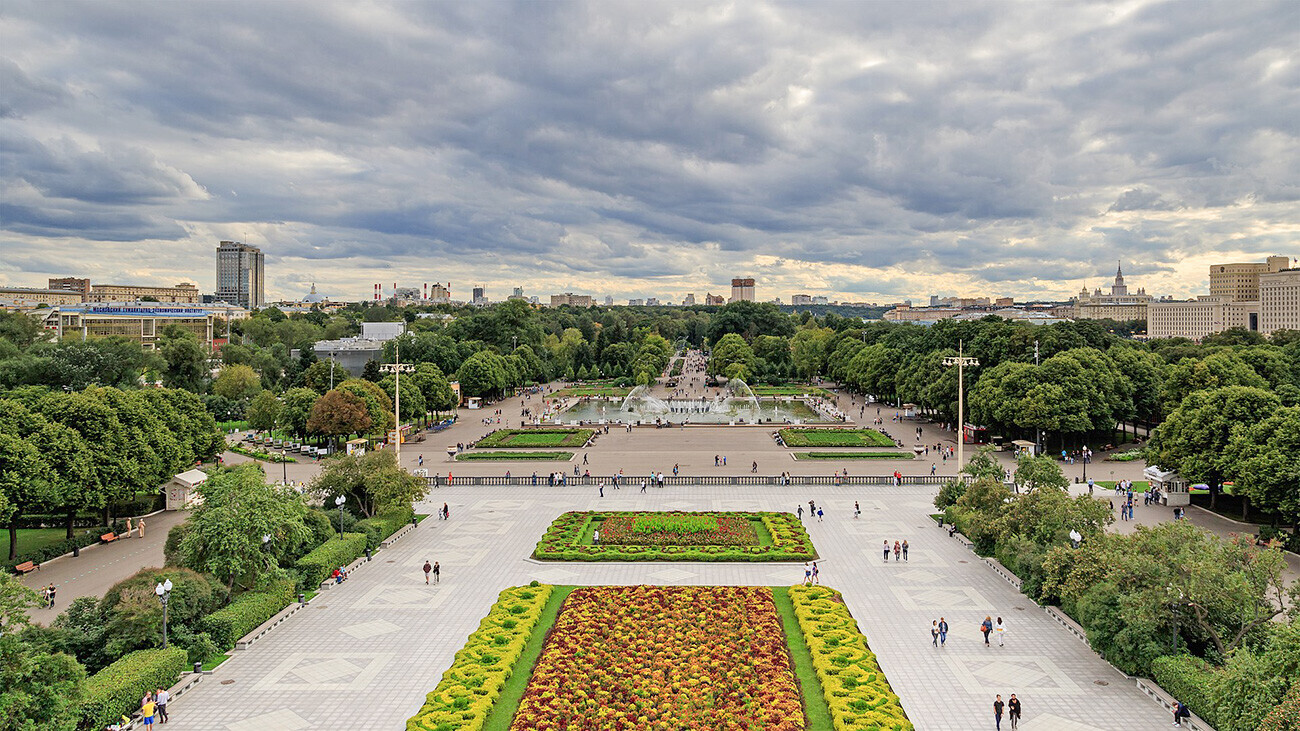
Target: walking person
{"points": [[898, 551], [997, 711], [1001, 630], [436, 571], [819, 515], [1013, 710], [857, 511], [427, 568], [800, 512], [147, 709], [904, 549], [160, 698], [934, 633], [816, 575], [446, 511], [943, 632], [49, 591], [986, 627], [807, 574], [601, 487], [886, 549], [595, 537], [139, 528]]}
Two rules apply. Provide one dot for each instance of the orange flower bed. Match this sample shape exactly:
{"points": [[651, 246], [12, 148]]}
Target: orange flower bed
{"points": [[655, 658]]}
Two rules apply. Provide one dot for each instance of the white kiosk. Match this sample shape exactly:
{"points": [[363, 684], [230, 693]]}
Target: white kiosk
{"points": [[1174, 490], [180, 491]]}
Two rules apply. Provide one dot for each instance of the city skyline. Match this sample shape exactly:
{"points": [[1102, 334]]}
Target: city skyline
{"points": [[875, 152]]}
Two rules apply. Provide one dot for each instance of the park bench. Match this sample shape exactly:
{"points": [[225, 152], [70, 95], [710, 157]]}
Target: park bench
{"points": [[108, 537], [26, 566]]}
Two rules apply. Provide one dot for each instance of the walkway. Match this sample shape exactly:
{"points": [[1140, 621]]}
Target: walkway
{"points": [[372, 648]]}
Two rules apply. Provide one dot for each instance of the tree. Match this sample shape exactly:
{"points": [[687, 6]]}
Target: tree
{"points": [[1034, 473], [320, 376], [238, 509], [730, 350], [413, 406], [339, 413], [295, 410], [373, 482], [1196, 437], [433, 385], [263, 413], [1267, 470], [1217, 370], [482, 374], [809, 350], [236, 382], [186, 360]]}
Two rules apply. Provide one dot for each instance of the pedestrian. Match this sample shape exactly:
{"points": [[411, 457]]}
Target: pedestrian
{"points": [[816, 573], [819, 515], [595, 537], [139, 528], [997, 711], [601, 487], [147, 709], [427, 568], [724, 460], [933, 467], [800, 512], [129, 528], [161, 697], [934, 633], [643, 486], [986, 627], [755, 467], [807, 574], [1001, 630], [898, 551], [886, 550], [446, 511], [943, 632], [904, 549], [49, 592], [436, 571], [584, 458], [1013, 710], [857, 511]]}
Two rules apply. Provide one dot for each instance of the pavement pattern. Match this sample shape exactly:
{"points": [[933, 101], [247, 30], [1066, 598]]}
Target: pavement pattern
{"points": [[365, 654]]}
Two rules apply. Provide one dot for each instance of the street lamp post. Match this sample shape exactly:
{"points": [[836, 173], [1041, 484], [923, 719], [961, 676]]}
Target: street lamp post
{"points": [[961, 361], [164, 592], [339, 502], [1038, 446], [284, 467], [397, 369]]}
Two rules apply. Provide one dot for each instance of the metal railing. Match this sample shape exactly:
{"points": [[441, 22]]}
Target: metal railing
{"points": [[684, 480]]}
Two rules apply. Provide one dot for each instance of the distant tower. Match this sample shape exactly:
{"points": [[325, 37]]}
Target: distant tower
{"points": [[1118, 288], [240, 277]]}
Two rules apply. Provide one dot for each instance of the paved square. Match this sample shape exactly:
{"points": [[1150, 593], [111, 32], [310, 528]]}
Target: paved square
{"points": [[366, 654]]}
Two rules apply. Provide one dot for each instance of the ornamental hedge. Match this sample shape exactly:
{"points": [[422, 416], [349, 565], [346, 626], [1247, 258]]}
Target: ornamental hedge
{"points": [[246, 612], [563, 541], [116, 690], [472, 684], [855, 688], [835, 437], [1189, 679], [317, 565], [383, 525], [534, 438]]}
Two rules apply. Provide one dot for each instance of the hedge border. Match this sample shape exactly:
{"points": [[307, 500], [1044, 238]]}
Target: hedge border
{"points": [[246, 612], [496, 439], [478, 673], [880, 439], [856, 689], [116, 690], [562, 541], [317, 564]]}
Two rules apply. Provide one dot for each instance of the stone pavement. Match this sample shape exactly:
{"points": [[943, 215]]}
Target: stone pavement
{"points": [[101, 566], [364, 654]]}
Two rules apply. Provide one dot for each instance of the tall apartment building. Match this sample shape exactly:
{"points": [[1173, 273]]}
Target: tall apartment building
{"points": [[1279, 300], [72, 284], [1240, 281], [742, 290], [240, 274], [689, 300], [439, 294], [480, 296]]}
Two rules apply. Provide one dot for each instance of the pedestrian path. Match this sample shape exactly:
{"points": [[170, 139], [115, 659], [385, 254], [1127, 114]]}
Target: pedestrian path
{"points": [[367, 652]]}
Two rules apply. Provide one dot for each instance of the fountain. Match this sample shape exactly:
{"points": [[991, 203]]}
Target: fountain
{"points": [[739, 391], [640, 401], [737, 403]]}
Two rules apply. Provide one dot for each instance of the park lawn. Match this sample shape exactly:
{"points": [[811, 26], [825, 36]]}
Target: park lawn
{"points": [[592, 391], [767, 537], [834, 438], [854, 455], [476, 456], [212, 664], [33, 539], [790, 391], [503, 711], [535, 438]]}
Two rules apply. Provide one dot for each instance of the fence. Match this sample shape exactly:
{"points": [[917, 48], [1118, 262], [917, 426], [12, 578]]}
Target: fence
{"points": [[702, 481]]}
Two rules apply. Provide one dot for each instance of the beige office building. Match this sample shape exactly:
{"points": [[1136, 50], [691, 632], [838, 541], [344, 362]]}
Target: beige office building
{"points": [[1119, 305], [1279, 301], [1205, 315], [572, 300], [183, 293], [23, 298], [1240, 282]]}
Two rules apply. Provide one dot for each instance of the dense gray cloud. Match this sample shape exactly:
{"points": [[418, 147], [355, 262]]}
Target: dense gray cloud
{"points": [[862, 150]]}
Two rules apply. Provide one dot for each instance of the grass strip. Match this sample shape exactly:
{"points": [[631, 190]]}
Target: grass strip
{"points": [[475, 456], [854, 455], [503, 711], [212, 664], [814, 698], [764, 535]]}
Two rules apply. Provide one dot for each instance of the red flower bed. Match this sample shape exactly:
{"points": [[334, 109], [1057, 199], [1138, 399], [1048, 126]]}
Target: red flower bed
{"points": [[732, 531], [654, 658]]}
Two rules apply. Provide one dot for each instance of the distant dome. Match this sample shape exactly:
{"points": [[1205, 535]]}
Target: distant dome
{"points": [[313, 296]]}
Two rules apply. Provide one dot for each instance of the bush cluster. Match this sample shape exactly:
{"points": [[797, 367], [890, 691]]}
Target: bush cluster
{"points": [[116, 690], [380, 527], [472, 684], [855, 688], [1187, 679], [562, 542], [246, 612], [317, 565], [54, 550]]}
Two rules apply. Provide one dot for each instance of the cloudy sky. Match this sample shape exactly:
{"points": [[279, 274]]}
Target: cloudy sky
{"points": [[863, 150]]}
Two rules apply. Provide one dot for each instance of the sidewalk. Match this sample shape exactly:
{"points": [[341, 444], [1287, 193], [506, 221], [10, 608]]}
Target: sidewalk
{"points": [[101, 566]]}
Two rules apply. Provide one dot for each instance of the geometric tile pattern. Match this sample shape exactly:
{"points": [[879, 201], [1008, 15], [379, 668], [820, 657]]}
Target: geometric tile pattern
{"points": [[323, 670], [941, 598], [283, 720], [1019, 674], [366, 630], [390, 596]]}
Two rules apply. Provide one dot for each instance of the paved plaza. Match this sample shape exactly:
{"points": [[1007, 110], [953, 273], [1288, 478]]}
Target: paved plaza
{"points": [[364, 654]]}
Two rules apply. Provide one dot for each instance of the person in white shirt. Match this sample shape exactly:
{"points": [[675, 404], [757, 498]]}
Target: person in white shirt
{"points": [[1000, 629]]}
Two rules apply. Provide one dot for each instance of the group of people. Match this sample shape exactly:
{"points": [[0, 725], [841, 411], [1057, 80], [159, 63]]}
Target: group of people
{"points": [[153, 707], [900, 549], [939, 638]]}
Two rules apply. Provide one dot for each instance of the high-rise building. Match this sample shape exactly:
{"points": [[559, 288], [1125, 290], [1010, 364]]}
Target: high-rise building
{"points": [[517, 294], [1241, 281], [480, 296], [1205, 315], [572, 300], [440, 294], [609, 300], [240, 274], [802, 299], [742, 290], [689, 301]]}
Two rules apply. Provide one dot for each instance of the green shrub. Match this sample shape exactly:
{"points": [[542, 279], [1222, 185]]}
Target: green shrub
{"points": [[1286, 717], [248, 610], [172, 546], [949, 493], [318, 564], [1188, 679], [116, 690], [383, 525]]}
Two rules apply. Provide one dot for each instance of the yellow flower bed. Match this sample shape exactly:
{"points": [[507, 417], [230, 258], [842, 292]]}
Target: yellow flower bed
{"points": [[856, 689], [470, 687]]}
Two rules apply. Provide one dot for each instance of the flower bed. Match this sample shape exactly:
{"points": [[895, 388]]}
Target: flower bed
{"points": [[854, 455], [563, 540], [473, 683], [477, 456], [855, 688], [534, 438], [831, 437], [651, 658], [677, 529]]}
